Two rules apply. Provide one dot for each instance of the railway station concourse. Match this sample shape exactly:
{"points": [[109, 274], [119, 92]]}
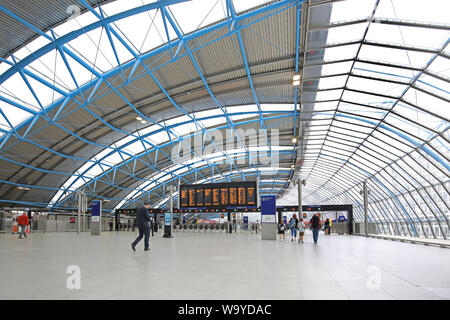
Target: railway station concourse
{"points": [[109, 104]]}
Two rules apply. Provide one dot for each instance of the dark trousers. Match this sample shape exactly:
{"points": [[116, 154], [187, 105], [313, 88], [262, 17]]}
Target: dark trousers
{"points": [[143, 232]]}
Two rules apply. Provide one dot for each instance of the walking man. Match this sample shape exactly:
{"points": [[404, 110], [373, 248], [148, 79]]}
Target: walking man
{"points": [[143, 224], [23, 223], [315, 227]]}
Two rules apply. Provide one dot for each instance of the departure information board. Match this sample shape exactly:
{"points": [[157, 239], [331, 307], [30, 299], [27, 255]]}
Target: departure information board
{"points": [[219, 195]]}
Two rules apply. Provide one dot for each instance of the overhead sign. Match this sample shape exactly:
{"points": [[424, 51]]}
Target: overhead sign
{"points": [[218, 195]]}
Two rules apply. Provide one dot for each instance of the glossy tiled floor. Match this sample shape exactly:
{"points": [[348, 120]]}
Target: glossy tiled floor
{"points": [[221, 266]]}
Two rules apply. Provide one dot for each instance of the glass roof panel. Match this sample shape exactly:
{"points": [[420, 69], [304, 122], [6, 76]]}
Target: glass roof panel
{"points": [[342, 11], [16, 90], [414, 10], [15, 116], [380, 147], [240, 6], [328, 95], [408, 127], [441, 66], [205, 12], [362, 111], [427, 102], [327, 69], [366, 99], [394, 56], [333, 82], [387, 143], [434, 85], [425, 119], [319, 38], [340, 53], [322, 106], [396, 140], [409, 36], [375, 86], [383, 72]]}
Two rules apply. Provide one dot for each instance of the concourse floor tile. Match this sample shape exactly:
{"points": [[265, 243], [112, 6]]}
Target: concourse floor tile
{"points": [[220, 266]]}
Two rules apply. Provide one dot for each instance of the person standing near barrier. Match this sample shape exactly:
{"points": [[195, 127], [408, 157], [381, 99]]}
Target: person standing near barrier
{"points": [[143, 224], [315, 227], [152, 225], [23, 223], [327, 226], [301, 230]]}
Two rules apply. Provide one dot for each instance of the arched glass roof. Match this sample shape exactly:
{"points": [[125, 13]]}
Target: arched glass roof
{"points": [[89, 100]]}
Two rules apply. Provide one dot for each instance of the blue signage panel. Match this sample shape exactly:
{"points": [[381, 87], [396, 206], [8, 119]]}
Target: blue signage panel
{"points": [[167, 219], [96, 205], [245, 220], [268, 209]]}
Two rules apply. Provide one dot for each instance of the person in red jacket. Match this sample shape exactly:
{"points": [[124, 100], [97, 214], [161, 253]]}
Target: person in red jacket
{"points": [[23, 223]]}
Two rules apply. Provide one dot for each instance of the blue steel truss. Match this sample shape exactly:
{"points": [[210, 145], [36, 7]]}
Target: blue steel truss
{"points": [[235, 24]]}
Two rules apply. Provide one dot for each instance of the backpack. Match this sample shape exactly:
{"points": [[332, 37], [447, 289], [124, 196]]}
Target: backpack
{"points": [[315, 222], [292, 224]]}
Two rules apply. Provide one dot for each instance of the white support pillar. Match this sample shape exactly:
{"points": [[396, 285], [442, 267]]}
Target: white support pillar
{"points": [[365, 198], [300, 202], [84, 208], [79, 211], [171, 207]]}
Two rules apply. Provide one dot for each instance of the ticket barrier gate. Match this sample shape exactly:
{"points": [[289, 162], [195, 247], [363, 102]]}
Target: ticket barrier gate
{"points": [[340, 228]]}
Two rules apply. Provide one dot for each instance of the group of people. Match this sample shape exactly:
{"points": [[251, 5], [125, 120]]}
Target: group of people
{"points": [[296, 224]]}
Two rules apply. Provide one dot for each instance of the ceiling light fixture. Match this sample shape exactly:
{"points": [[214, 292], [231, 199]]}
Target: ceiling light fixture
{"points": [[138, 118], [143, 121], [296, 79], [294, 140]]}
